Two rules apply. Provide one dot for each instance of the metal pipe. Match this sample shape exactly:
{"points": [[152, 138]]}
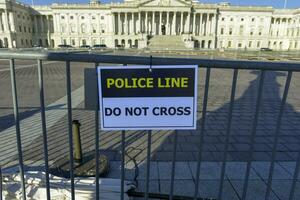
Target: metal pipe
{"points": [[253, 133], [202, 132], [77, 142], [122, 164], [97, 137], [203, 63], [69, 105], [44, 128], [17, 124], [148, 164], [223, 168]]}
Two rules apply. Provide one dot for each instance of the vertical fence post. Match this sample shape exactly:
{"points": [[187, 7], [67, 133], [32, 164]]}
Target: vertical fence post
{"points": [[253, 133], [97, 136], [17, 124], [148, 164], [295, 178], [44, 128], [202, 132], [278, 126], [0, 183], [122, 164], [173, 166], [123, 138], [233, 87], [70, 128]]}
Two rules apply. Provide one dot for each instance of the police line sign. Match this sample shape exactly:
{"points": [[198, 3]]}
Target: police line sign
{"points": [[140, 98]]}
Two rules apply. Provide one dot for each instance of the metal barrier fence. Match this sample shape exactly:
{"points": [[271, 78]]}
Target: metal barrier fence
{"points": [[208, 64]]}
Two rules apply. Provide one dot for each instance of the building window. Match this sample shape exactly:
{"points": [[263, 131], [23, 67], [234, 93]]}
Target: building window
{"points": [[83, 28], [62, 17], [229, 44], [239, 45], [73, 42], [82, 17], [258, 44], [222, 31], [20, 29], [63, 28], [24, 29], [72, 26], [29, 30], [103, 31], [231, 19], [230, 31], [102, 17], [93, 17], [64, 41], [241, 30], [71, 17], [242, 19], [22, 42], [223, 19], [83, 42], [250, 44], [253, 19]]}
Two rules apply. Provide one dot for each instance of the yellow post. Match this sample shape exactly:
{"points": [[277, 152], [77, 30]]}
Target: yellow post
{"points": [[77, 142]]}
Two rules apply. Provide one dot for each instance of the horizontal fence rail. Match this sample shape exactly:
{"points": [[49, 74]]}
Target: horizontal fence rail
{"points": [[146, 60], [208, 64]]}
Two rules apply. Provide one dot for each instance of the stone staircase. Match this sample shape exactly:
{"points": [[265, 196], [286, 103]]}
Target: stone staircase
{"points": [[166, 42]]}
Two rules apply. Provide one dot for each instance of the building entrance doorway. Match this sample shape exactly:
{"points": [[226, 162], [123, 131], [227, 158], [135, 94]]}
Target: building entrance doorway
{"points": [[163, 29]]}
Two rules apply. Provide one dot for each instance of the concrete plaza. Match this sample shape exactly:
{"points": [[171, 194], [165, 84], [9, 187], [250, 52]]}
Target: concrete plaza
{"points": [[162, 141]]}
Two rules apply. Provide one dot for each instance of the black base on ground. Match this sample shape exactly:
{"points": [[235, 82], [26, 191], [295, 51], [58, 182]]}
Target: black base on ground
{"points": [[87, 168]]}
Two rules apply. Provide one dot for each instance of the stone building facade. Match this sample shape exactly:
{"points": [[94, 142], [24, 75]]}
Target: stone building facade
{"points": [[134, 23]]}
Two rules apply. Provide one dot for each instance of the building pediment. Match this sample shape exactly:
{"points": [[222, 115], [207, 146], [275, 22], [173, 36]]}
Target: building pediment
{"points": [[182, 3]]}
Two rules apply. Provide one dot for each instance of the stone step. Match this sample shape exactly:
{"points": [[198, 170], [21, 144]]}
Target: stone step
{"points": [[166, 42]]}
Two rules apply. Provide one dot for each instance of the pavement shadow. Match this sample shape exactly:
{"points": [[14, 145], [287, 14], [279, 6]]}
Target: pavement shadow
{"points": [[240, 134]]}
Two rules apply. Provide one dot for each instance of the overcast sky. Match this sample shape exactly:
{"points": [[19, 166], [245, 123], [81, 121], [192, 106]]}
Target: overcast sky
{"points": [[274, 3]]}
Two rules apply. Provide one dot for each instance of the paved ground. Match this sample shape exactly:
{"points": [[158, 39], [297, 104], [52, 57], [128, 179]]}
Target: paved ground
{"points": [[162, 141]]}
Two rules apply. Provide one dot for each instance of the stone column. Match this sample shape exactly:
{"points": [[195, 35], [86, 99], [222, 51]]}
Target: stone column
{"points": [[132, 24], [6, 22], [12, 21], [139, 23], [194, 23], [126, 24], [153, 23], [1, 23], [207, 24], [113, 23], [201, 24], [167, 24], [160, 20], [146, 23], [181, 23], [36, 25], [43, 25], [174, 24], [189, 22], [48, 24], [119, 24], [214, 24]]}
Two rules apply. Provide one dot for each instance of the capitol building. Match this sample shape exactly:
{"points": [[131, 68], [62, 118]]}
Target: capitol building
{"points": [[149, 23]]}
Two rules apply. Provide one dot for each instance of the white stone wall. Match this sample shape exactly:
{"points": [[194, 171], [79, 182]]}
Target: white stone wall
{"points": [[209, 25]]}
